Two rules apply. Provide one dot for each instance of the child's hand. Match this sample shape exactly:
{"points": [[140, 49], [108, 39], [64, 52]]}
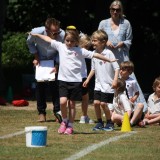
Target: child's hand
{"points": [[32, 34], [114, 60], [85, 83]]}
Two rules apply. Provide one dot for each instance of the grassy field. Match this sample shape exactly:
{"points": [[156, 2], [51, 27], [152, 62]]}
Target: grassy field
{"points": [[143, 145]]}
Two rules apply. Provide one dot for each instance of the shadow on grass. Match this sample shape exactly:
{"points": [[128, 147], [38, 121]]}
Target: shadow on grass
{"points": [[99, 132]]}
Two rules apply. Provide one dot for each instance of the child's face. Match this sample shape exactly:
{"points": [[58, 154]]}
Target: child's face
{"points": [[70, 42], [97, 44], [157, 90], [124, 73]]}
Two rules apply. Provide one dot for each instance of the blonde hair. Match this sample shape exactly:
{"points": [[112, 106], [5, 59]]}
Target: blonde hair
{"points": [[115, 3], [156, 83], [85, 41], [74, 34], [100, 35], [127, 65]]}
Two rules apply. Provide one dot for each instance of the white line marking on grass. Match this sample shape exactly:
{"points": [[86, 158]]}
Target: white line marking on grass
{"points": [[93, 147], [13, 134]]}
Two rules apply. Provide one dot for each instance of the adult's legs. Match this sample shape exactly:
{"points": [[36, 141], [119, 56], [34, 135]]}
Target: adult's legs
{"points": [[41, 100]]}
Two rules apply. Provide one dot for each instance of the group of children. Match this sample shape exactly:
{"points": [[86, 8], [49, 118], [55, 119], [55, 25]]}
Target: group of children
{"points": [[112, 83]]}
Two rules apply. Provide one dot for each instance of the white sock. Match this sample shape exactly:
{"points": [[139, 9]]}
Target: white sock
{"points": [[70, 124], [65, 120]]}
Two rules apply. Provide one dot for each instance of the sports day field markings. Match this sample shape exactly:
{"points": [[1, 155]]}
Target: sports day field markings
{"points": [[12, 134], [93, 147], [84, 151]]}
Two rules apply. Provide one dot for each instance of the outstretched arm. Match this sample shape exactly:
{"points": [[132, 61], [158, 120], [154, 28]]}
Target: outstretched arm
{"points": [[45, 38], [101, 57]]}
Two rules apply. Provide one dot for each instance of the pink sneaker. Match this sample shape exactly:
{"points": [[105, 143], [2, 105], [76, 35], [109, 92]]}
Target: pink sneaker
{"points": [[69, 130], [62, 128]]}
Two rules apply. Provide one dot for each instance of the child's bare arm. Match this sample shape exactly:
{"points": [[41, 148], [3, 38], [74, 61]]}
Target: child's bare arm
{"points": [[99, 56], [134, 98], [44, 37], [88, 78]]}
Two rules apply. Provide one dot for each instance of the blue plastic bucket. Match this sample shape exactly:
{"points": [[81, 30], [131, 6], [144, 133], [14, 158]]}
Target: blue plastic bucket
{"points": [[36, 136]]}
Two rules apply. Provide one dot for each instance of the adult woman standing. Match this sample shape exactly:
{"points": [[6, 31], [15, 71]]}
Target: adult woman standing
{"points": [[119, 31]]}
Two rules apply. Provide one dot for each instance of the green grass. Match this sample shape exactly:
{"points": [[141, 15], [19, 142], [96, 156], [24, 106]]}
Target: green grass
{"points": [[144, 145]]}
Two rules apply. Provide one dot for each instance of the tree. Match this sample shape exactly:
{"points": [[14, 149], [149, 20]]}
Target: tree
{"points": [[3, 5]]}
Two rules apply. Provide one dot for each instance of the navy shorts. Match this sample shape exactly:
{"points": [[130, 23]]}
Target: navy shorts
{"points": [[71, 90], [103, 97]]}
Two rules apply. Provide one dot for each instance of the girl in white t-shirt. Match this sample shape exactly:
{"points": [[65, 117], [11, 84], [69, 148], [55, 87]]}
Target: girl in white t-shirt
{"points": [[122, 104], [69, 76], [153, 114]]}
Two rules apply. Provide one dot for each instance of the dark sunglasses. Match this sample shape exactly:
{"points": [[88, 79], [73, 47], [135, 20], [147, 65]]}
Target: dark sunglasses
{"points": [[115, 9], [53, 33]]}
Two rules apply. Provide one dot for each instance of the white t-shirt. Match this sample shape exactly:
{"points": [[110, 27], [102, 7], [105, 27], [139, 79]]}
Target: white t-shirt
{"points": [[70, 69], [104, 72], [121, 104], [153, 106], [131, 86]]}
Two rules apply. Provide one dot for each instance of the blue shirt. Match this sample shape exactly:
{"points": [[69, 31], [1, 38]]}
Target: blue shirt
{"points": [[42, 48], [124, 35]]}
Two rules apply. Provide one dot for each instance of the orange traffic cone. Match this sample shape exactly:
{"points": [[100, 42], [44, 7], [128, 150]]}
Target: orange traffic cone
{"points": [[126, 127]]}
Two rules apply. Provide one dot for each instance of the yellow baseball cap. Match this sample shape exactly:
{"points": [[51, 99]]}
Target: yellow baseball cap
{"points": [[71, 27]]}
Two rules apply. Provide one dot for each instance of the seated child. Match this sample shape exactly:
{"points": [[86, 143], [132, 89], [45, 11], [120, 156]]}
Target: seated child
{"points": [[132, 91], [153, 114], [122, 104]]}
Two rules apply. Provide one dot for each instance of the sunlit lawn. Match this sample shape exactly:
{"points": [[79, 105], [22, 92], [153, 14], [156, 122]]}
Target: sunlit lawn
{"points": [[143, 145]]}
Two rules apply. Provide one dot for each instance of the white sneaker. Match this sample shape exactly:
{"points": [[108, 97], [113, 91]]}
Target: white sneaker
{"points": [[86, 119]]}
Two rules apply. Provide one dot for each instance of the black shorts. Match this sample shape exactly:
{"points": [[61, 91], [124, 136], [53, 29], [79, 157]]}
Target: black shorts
{"points": [[103, 97], [71, 90], [84, 89]]}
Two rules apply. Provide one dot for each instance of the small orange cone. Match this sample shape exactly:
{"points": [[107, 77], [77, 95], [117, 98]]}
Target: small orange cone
{"points": [[126, 127]]}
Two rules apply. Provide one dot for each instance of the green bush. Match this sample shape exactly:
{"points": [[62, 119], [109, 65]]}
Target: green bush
{"points": [[15, 52]]}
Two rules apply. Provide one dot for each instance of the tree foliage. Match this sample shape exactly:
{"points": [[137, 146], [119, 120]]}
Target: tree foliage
{"points": [[15, 52], [144, 15]]}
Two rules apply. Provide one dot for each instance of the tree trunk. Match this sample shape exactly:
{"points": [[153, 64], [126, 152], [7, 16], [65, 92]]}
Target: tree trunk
{"points": [[3, 5]]}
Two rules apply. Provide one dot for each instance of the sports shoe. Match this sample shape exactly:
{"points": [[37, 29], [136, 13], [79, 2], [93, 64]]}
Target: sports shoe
{"points": [[86, 119], [99, 126], [69, 130], [42, 118], [62, 127], [109, 127], [58, 116]]}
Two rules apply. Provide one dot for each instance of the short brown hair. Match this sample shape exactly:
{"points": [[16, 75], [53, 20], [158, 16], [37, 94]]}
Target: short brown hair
{"points": [[127, 65], [51, 21]]}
